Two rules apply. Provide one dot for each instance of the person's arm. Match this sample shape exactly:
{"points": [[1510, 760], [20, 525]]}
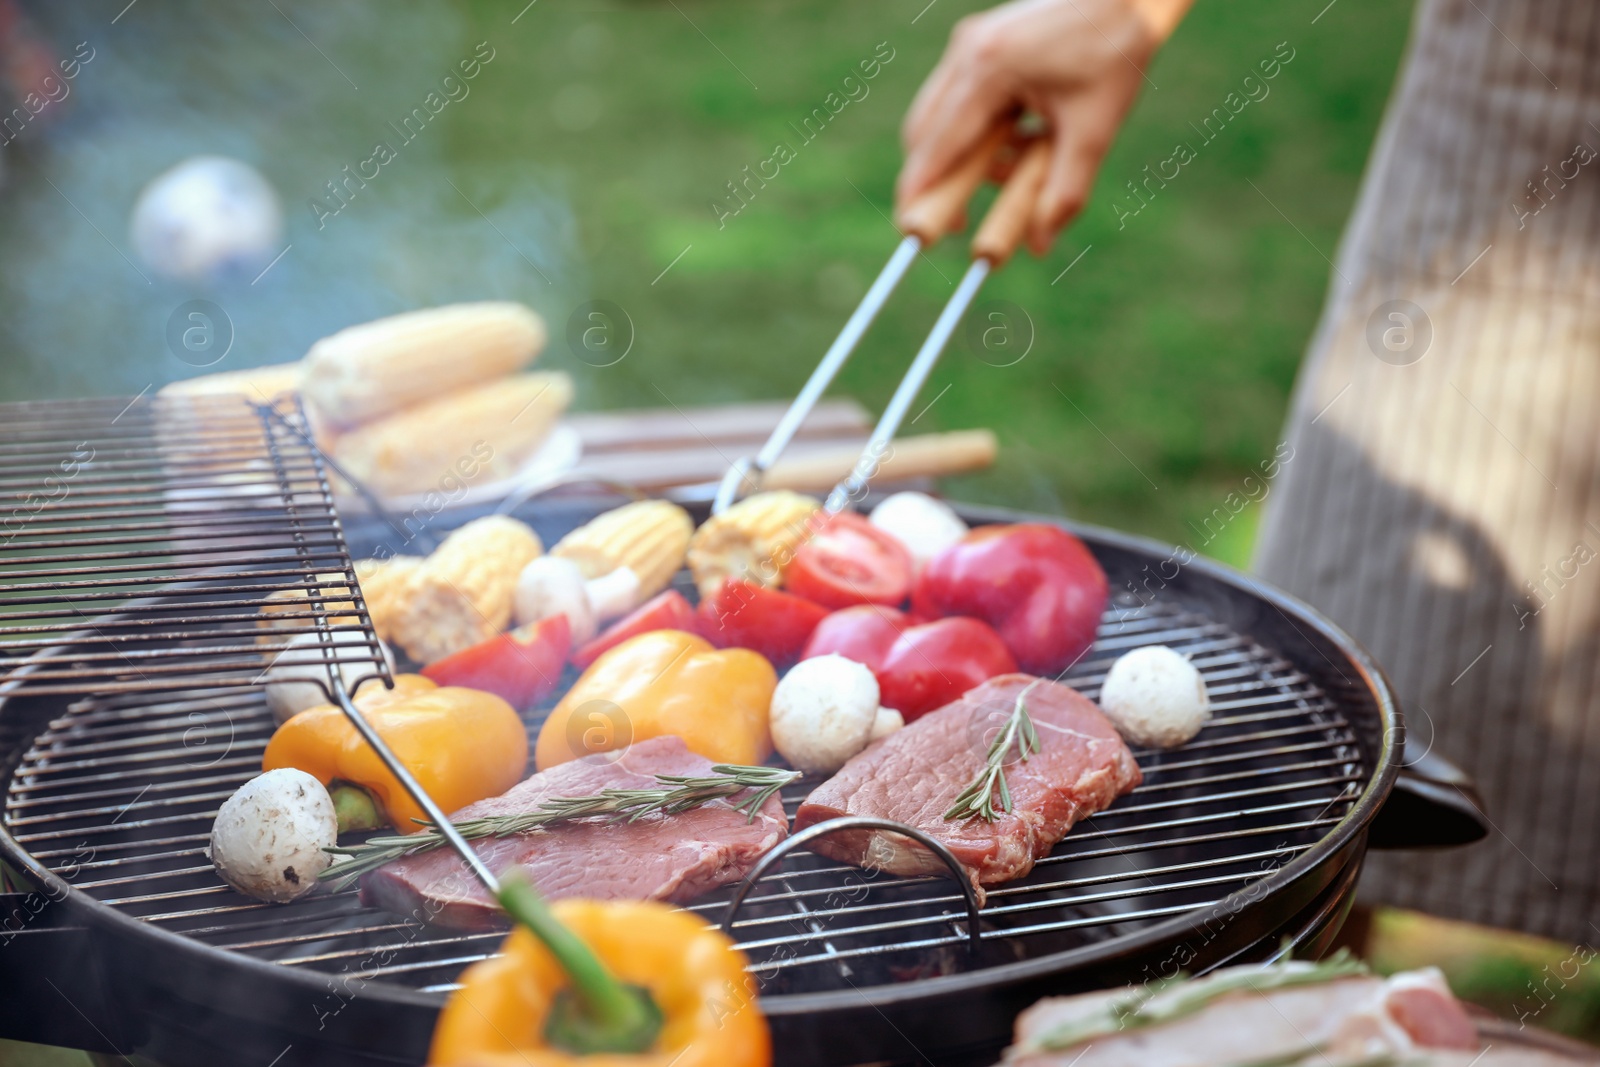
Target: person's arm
{"points": [[1077, 63]]}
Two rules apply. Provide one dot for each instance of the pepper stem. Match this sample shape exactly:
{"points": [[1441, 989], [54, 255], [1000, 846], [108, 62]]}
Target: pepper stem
{"points": [[601, 1014], [356, 808]]}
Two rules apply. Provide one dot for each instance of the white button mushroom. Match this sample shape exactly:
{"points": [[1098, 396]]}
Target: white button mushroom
{"points": [[1155, 697], [614, 594], [886, 722], [924, 525], [269, 837], [824, 711], [294, 677], [550, 586]]}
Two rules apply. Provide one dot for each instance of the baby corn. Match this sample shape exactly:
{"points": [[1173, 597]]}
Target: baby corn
{"points": [[754, 539], [377, 368], [462, 594], [275, 628], [480, 434], [649, 536], [383, 584], [257, 383]]}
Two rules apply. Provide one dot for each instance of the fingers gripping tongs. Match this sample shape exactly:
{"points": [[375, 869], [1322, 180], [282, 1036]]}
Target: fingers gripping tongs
{"points": [[923, 221]]}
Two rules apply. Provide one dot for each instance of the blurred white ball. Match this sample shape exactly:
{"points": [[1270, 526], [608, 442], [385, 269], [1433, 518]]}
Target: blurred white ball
{"points": [[205, 217]]}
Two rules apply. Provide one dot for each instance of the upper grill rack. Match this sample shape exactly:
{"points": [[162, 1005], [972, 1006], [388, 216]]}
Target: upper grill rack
{"points": [[147, 534], [118, 794]]}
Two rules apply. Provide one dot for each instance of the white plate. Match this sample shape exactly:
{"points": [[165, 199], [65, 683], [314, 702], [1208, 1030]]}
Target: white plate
{"points": [[550, 464]]}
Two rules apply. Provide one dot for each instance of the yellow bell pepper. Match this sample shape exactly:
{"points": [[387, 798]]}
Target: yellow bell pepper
{"points": [[463, 745], [692, 973], [665, 682]]}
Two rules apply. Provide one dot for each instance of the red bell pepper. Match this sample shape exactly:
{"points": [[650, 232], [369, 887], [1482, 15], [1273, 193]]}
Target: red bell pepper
{"points": [[668, 611], [743, 614], [920, 666], [521, 666], [1036, 584]]}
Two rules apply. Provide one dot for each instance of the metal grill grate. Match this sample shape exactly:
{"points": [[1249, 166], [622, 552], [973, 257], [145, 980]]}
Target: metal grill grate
{"points": [[117, 795], [147, 534]]}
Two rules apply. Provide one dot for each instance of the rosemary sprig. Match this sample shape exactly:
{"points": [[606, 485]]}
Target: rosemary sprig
{"points": [[1182, 997], [1304, 1057], [979, 798], [680, 793]]}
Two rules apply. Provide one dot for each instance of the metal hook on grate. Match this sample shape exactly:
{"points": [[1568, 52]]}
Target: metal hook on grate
{"points": [[430, 807], [860, 822], [270, 412]]}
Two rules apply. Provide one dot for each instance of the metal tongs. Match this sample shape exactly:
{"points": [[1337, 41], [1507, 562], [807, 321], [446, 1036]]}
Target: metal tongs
{"points": [[923, 221]]}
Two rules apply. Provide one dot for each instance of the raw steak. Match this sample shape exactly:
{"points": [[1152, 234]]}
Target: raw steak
{"points": [[659, 857], [914, 775], [1345, 1021]]}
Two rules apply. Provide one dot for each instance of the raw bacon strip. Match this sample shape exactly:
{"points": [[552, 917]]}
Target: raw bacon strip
{"points": [[1258, 1016]]}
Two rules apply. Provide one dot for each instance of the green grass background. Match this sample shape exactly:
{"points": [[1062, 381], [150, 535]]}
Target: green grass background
{"points": [[1176, 337], [593, 145]]}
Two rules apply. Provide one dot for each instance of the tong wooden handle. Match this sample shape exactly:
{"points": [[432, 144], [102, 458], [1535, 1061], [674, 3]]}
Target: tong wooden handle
{"points": [[919, 456], [933, 213], [1006, 222]]}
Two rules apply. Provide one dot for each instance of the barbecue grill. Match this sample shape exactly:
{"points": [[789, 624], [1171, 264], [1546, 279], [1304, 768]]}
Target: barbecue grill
{"points": [[130, 708]]}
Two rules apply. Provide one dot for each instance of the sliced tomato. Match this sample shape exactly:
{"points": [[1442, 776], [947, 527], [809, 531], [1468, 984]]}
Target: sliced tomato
{"points": [[522, 666], [848, 561], [668, 611], [742, 614]]}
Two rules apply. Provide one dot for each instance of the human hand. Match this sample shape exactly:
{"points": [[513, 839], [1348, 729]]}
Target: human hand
{"points": [[1077, 64]]}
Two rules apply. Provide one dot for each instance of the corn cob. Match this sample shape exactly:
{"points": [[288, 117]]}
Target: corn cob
{"points": [[377, 368], [462, 594], [383, 583], [276, 629], [257, 383], [755, 539], [480, 434], [650, 536]]}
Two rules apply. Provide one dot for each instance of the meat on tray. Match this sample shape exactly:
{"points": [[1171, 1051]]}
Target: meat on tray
{"points": [[1355, 1019], [658, 857], [914, 775]]}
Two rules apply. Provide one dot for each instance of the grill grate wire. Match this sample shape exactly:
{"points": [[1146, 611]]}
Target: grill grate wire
{"points": [[146, 535], [117, 796]]}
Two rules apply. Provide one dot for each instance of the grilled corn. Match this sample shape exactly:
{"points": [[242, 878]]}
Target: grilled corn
{"points": [[480, 434], [257, 383], [648, 536], [275, 628], [754, 539], [462, 594], [383, 584], [377, 368]]}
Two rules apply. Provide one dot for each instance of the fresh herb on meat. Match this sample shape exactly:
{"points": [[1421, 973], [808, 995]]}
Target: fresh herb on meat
{"points": [[1165, 1002], [1304, 1058], [683, 793], [978, 798]]}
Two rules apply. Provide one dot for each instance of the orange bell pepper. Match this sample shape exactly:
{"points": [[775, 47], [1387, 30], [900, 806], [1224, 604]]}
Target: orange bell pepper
{"points": [[462, 745], [692, 973], [665, 682]]}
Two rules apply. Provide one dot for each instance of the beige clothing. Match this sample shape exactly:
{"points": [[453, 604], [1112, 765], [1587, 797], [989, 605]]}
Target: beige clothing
{"points": [[1444, 505]]}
